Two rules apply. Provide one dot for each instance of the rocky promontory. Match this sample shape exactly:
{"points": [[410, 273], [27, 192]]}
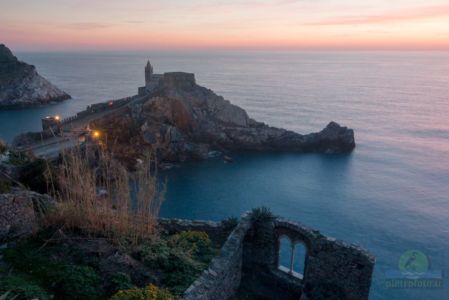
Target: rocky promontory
{"points": [[22, 86], [185, 121]]}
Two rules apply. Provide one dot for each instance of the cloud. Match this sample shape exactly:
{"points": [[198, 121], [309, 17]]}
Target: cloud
{"points": [[398, 16], [134, 22], [87, 25]]}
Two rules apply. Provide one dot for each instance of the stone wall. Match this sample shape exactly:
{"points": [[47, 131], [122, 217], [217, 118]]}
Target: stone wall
{"points": [[333, 269], [331, 266], [222, 278]]}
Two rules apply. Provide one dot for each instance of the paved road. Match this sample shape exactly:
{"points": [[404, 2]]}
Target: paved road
{"points": [[51, 148], [51, 151]]}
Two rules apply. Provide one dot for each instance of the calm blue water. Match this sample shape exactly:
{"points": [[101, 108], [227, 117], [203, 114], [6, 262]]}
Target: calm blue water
{"points": [[390, 195]]}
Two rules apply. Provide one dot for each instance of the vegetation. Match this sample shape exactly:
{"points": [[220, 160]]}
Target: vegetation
{"points": [[102, 208], [34, 175], [18, 158], [5, 186], [49, 267], [3, 147], [14, 287], [262, 215], [36, 274], [97, 199], [150, 292], [229, 223], [262, 219], [180, 257]]}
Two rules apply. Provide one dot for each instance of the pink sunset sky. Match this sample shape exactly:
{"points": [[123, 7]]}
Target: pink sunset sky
{"points": [[224, 24]]}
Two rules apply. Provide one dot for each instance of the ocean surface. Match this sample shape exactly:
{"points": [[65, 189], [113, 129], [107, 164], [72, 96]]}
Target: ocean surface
{"points": [[390, 195]]}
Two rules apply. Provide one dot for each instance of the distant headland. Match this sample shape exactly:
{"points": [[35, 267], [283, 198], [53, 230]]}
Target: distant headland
{"points": [[22, 86]]}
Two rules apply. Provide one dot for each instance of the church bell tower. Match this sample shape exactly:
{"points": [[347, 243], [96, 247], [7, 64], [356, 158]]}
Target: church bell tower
{"points": [[148, 73]]}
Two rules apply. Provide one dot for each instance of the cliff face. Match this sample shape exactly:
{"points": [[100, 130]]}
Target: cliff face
{"points": [[22, 86], [186, 121]]}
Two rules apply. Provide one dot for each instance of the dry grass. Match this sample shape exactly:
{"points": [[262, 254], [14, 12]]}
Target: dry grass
{"points": [[101, 197]]}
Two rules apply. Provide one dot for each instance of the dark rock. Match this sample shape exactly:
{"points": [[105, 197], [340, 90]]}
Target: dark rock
{"points": [[20, 213], [185, 121], [22, 86], [228, 159]]}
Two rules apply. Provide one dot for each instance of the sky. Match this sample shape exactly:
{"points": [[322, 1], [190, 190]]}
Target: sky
{"points": [[40, 25]]}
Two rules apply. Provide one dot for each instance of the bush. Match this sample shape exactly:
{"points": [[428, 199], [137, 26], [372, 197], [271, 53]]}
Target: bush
{"points": [[229, 223], [34, 176], [121, 281], [77, 282], [181, 272], [262, 219], [20, 289], [155, 253], [151, 292], [196, 243], [262, 215], [181, 257], [3, 147], [18, 158], [65, 280]]}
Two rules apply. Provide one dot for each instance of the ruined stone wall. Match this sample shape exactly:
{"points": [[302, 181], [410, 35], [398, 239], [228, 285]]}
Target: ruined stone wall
{"points": [[333, 269], [222, 278]]}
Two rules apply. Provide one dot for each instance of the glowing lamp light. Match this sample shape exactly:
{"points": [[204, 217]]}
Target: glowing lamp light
{"points": [[96, 134], [57, 118]]}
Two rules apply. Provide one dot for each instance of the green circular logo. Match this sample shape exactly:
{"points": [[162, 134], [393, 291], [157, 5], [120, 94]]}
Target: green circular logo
{"points": [[413, 261]]}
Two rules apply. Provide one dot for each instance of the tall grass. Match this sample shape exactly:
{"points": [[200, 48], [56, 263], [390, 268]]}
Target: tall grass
{"points": [[94, 196]]}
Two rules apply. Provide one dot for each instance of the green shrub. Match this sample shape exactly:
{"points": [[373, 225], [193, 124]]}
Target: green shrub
{"points": [[229, 223], [262, 215], [64, 280], [150, 292], [77, 282], [155, 253], [181, 272], [21, 289], [181, 258], [195, 243], [121, 281]]}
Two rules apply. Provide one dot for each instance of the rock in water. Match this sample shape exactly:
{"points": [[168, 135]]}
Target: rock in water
{"points": [[22, 86], [185, 121]]}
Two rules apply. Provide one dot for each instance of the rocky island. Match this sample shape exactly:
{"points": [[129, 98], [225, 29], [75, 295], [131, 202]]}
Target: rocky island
{"points": [[22, 86], [185, 121]]}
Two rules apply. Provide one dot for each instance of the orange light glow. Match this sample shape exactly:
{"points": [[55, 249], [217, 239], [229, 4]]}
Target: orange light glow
{"points": [[96, 134]]}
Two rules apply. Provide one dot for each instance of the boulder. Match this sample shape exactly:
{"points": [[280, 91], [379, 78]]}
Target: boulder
{"points": [[20, 213]]}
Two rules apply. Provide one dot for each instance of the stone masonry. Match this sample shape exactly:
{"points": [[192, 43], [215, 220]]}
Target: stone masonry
{"points": [[333, 269]]}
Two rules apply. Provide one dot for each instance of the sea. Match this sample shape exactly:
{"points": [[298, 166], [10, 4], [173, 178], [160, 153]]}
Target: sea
{"points": [[390, 196]]}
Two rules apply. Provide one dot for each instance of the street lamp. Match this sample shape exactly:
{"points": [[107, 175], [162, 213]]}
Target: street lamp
{"points": [[96, 134]]}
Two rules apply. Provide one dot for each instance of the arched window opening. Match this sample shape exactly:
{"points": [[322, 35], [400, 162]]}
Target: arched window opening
{"points": [[285, 247], [292, 257], [299, 262]]}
